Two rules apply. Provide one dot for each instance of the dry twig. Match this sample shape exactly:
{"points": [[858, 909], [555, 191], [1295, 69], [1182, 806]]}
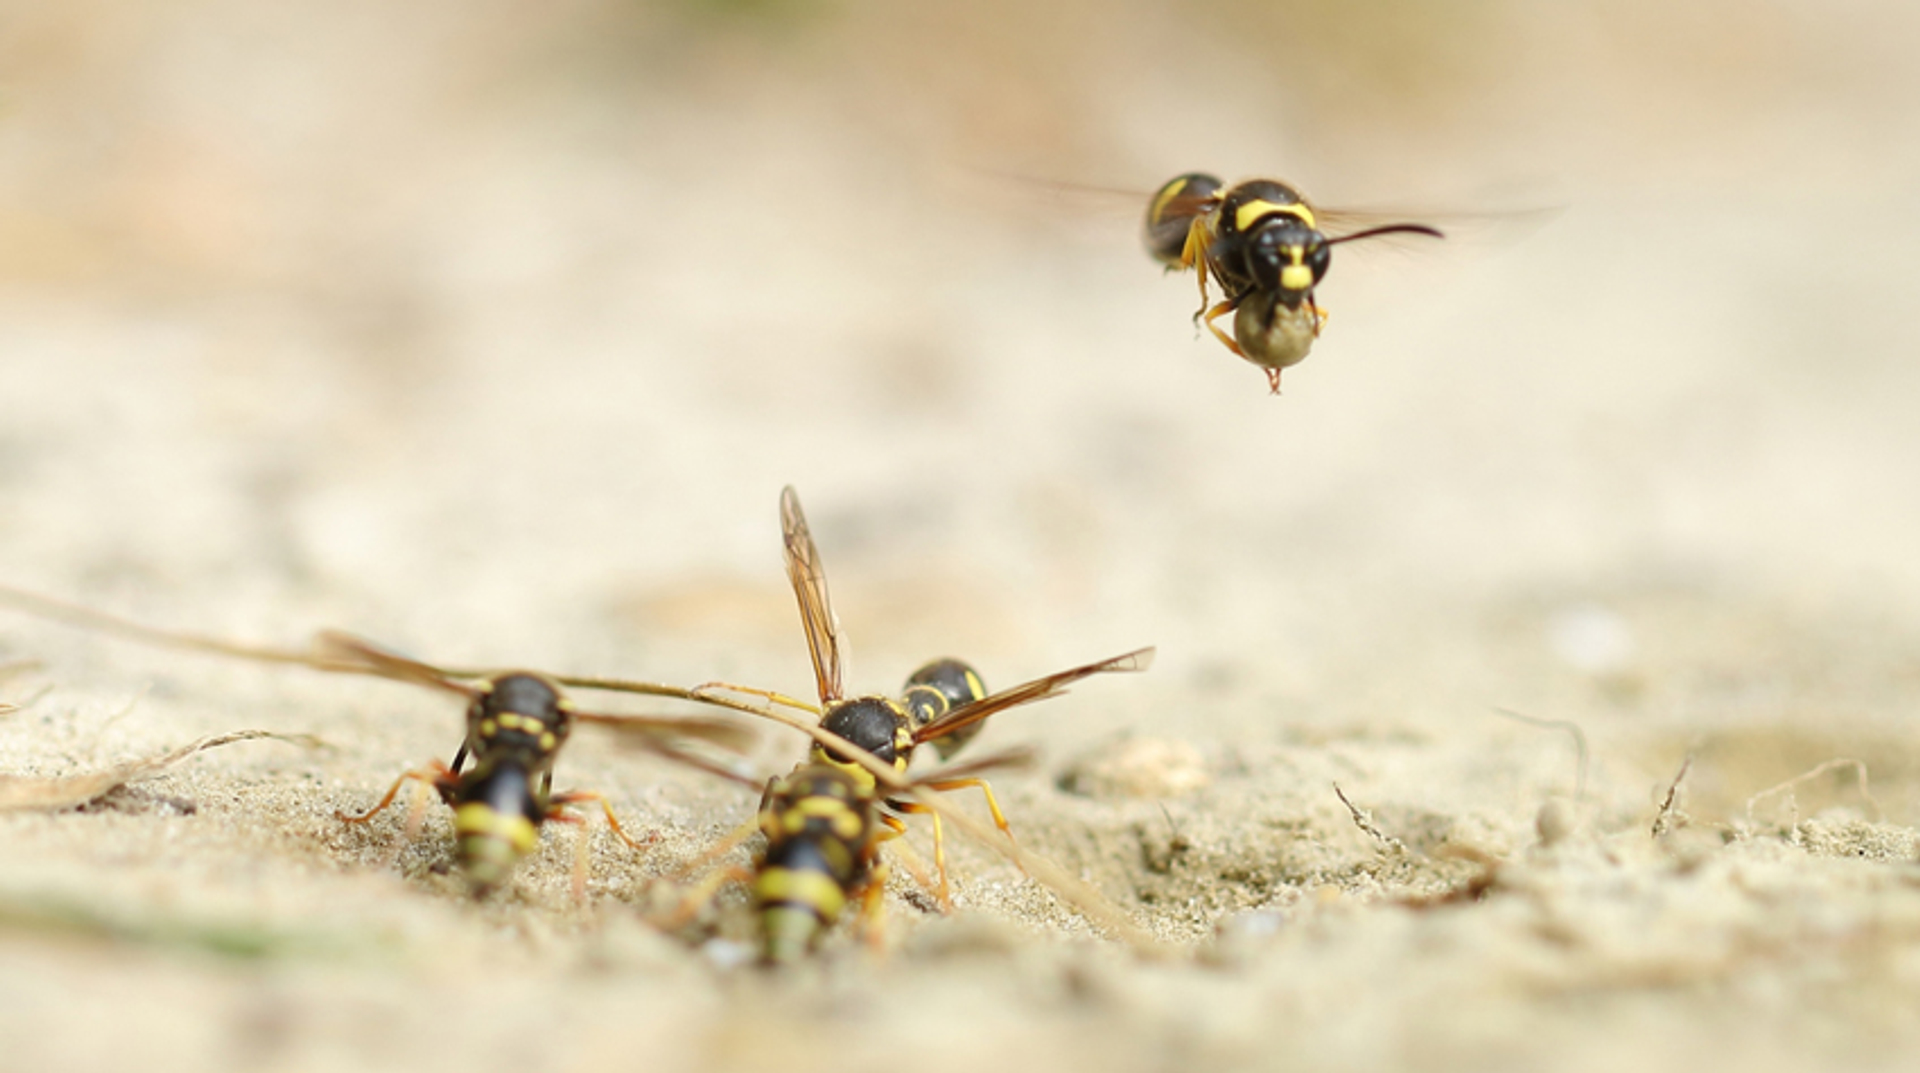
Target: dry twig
{"points": [[20, 793], [1859, 768], [1364, 820], [1668, 817]]}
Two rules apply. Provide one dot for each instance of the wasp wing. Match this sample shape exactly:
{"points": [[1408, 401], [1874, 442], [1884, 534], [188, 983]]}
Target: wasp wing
{"points": [[346, 652], [670, 745], [725, 733], [1017, 759], [1039, 689], [810, 589], [86, 618]]}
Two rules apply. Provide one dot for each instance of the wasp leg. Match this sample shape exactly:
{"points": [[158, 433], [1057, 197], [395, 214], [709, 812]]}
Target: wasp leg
{"points": [[1320, 316], [579, 851], [873, 909], [914, 865], [765, 694], [556, 811], [719, 849], [1273, 380], [701, 895], [945, 889], [436, 775], [1194, 255], [1226, 340], [993, 805]]}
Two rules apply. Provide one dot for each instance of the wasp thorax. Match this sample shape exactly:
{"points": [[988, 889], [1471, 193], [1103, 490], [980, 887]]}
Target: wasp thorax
{"points": [[875, 724], [521, 715]]}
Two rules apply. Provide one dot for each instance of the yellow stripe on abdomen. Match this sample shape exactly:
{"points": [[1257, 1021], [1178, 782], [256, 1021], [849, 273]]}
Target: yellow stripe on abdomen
{"points": [[789, 886]]}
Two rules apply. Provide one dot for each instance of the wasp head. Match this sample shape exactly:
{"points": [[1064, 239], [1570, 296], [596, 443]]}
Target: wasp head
{"points": [[1287, 258]]}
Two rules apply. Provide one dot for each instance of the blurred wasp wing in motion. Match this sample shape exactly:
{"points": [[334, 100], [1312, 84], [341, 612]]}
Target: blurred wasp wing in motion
{"points": [[1260, 242]]}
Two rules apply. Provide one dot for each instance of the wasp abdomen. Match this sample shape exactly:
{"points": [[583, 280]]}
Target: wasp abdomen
{"points": [[1171, 213], [936, 689], [818, 824], [496, 821]]}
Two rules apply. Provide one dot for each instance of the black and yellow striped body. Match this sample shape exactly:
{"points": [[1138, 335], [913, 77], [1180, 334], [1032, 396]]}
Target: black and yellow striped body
{"points": [[1266, 247], [938, 688], [819, 824], [497, 812], [1261, 243], [1172, 211], [1264, 236], [514, 730]]}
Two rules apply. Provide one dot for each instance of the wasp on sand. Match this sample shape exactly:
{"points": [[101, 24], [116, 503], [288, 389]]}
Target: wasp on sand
{"points": [[517, 722], [824, 821], [1267, 249]]}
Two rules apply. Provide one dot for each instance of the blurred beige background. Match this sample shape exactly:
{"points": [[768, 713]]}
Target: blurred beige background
{"points": [[492, 330]]}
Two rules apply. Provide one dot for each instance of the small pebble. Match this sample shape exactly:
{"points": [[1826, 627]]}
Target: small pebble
{"points": [[1555, 822]]}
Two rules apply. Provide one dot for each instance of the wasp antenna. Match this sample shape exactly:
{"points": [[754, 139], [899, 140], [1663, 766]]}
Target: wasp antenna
{"points": [[1389, 229]]}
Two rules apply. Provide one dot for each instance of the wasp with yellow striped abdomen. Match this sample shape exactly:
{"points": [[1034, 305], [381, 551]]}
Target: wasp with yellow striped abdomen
{"points": [[824, 823], [517, 722], [1267, 249], [945, 702]]}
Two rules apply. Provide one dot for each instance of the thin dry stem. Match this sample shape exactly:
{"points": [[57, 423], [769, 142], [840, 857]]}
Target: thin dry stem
{"points": [[1364, 820], [1859, 768]]}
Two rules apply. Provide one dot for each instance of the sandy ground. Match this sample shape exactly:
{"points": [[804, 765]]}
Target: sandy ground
{"points": [[493, 333]]}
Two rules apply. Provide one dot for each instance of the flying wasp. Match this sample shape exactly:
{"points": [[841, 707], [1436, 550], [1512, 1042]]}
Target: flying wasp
{"points": [[517, 722], [1265, 247]]}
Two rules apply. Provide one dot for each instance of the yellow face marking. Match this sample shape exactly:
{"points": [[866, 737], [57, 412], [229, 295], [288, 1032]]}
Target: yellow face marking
{"points": [[807, 888], [477, 820], [549, 743], [488, 727], [1250, 213], [1296, 276]]}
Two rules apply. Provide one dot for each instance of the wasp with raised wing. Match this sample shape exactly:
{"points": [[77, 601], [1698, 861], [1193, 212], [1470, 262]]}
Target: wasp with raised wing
{"points": [[944, 702]]}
